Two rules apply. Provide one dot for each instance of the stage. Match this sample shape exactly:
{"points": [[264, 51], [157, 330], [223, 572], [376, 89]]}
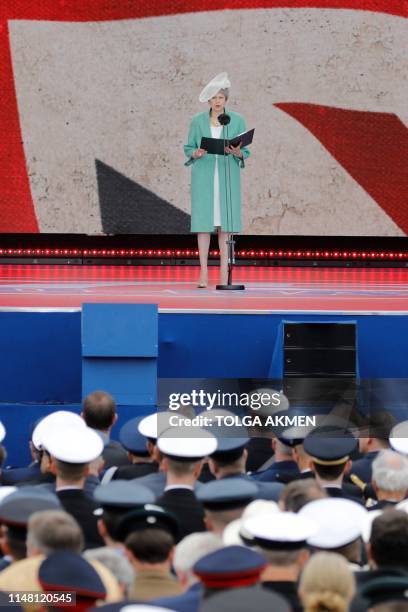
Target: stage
{"points": [[173, 288], [202, 333]]}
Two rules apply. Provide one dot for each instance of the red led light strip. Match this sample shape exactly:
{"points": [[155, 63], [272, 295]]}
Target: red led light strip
{"points": [[182, 253]]}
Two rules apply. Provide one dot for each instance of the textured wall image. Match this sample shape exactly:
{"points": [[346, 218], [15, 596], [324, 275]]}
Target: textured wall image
{"points": [[104, 105]]}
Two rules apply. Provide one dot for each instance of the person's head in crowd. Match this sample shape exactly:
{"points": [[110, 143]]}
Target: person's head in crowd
{"points": [[184, 450], [150, 548], [224, 501], [298, 493], [303, 460], [231, 534], [293, 438], [115, 499], [72, 573], [340, 526], [153, 425], [228, 463], [229, 567], [375, 431], [99, 411], [12, 543], [327, 583], [72, 449], [5, 491], [388, 545], [117, 563], [45, 429], [149, 535], [282, 540], [148, 427], [330, 448], [282, 451], [15, 512], [231, 454], [134, 442], [52, 530], [190, 550], [390, 476]]}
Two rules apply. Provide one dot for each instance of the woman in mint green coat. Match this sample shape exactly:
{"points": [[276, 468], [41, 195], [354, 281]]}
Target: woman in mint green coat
{"points": [[209, 174]]}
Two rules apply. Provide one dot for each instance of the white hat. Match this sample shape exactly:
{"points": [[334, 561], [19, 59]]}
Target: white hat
{"points": [[73, 444], [2, 432], [367, 524], [221, 81], [231, 534], [55, 420], [5, 491], [340, 521], [285, 530], [399, 438], [155, 424], [403, 505], [187, 443]]}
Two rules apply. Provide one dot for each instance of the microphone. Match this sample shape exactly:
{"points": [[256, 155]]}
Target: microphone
{"points": [[224, 119]]}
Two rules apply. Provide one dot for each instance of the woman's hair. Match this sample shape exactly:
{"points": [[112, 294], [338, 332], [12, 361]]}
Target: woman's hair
{"points": [[225, 92], [327, 584]]}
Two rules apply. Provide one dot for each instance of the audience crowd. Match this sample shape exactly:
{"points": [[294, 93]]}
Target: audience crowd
{"points": [[171, 518]]}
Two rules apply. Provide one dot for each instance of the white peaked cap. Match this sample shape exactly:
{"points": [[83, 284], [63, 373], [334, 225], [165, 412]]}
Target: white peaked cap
{"points": [[2, 432], [369, 520], [56, 420], [74, 444], [231, 534], [281, 528], [5, 491], [155, 424], [340, 521], [399, 438], [403, 505], [221, 81], [187, 443]]}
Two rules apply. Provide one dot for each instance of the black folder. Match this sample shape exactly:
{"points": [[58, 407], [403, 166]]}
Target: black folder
{"points": [[216, 145]]}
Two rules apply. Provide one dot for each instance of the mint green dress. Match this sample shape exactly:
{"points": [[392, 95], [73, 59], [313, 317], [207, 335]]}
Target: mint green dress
{"points": [[202, 176]]}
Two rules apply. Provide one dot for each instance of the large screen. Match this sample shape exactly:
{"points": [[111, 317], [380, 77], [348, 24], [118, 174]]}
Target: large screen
{"points": [[103, 103]]}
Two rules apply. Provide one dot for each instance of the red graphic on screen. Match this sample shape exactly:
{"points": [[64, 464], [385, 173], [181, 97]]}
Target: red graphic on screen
{"points": [[17, 209], [372, 147]]}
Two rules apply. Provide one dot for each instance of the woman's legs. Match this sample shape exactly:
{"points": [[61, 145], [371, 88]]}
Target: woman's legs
{"points": [[222, 244], [203, 239]]}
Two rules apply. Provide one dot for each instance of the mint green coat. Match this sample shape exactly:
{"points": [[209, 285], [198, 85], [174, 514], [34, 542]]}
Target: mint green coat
{"points": [[202, 176]]}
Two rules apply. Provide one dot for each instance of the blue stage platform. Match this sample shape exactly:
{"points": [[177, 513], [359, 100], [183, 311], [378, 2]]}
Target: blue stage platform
{"points": [[42, 358]]}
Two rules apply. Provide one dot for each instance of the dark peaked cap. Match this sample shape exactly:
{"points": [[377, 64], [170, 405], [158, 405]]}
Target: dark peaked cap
{"points": [[131, 438], [231, 440], [330, 445], [227, 494], [124, 494], [230, 567], [16, 508], [148, 517], [69, 571]]}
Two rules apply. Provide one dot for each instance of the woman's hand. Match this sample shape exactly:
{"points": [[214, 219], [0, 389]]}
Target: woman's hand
{"points": [[234, 150], [199, 153]]}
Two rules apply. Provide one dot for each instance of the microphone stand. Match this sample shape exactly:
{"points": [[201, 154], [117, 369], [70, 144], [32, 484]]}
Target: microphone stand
{"points": [[225, 119]]}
